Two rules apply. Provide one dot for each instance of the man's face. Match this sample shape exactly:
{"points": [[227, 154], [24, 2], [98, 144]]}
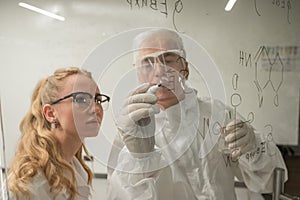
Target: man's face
{"points": [[166, 67]]}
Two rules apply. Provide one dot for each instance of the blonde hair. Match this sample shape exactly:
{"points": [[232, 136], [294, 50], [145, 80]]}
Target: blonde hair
{"points": [[38, 149]]}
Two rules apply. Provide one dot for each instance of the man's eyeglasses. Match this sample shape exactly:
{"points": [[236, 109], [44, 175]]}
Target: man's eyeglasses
{"points": [[170, 60], [84, 100]]}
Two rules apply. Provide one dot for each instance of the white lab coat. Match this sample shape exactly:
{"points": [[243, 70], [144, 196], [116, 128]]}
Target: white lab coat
{"points": [[191, 167], [41, 188]]}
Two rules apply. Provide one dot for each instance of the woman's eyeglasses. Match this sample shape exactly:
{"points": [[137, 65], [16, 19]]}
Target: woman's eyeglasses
{"points": [[84, 100]]}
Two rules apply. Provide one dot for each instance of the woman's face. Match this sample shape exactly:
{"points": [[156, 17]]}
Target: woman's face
{"points": [[79, 115]]}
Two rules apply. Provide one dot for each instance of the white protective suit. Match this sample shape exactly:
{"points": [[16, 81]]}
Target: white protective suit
{"points": [[41, 188], [187, 164]]}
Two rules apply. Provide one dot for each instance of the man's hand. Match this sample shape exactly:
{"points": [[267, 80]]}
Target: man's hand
{"points": [[240, 137], [137, 134]]}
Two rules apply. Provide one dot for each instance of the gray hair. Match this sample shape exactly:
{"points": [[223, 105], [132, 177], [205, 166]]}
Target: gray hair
{"points": [[158, 38]]}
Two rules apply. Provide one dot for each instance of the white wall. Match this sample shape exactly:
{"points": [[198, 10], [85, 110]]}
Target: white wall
{"points": [[32, 46]]}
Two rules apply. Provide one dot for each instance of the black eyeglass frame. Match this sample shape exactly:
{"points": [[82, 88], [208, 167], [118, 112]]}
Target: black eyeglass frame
{"points": [[73, 95]]}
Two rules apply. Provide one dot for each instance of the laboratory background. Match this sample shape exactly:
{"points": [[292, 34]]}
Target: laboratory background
{"points": [[254, 47]]}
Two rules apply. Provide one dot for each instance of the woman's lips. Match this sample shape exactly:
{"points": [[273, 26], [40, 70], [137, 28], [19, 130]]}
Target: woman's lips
{"points": [[92, 122]]}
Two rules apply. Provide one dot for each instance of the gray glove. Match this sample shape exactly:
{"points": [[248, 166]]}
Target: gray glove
{"points": [[136, 123], [240, 137]]}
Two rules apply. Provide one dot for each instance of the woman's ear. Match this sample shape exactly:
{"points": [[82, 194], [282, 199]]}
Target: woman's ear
{"points": [[49, 113]]}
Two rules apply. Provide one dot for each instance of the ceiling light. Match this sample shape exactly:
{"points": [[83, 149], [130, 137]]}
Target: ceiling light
{"points": [[41, 11], [229, 5]]}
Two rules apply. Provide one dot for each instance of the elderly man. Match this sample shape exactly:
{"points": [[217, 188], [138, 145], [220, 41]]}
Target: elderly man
{"points": [[161, 151]]}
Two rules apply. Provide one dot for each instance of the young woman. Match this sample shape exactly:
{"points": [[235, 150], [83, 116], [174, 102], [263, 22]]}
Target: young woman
{"points": [[65, 108]]}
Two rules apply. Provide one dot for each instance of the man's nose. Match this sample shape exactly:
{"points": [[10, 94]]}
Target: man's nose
{"points": [[159, 68]]}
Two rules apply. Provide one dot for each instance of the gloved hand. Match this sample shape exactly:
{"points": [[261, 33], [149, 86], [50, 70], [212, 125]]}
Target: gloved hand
{"points": [[240, 137], [137, 134]]}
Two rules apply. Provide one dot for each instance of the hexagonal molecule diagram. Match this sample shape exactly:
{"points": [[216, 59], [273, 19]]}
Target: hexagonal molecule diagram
{"points": [[274, 67]]}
